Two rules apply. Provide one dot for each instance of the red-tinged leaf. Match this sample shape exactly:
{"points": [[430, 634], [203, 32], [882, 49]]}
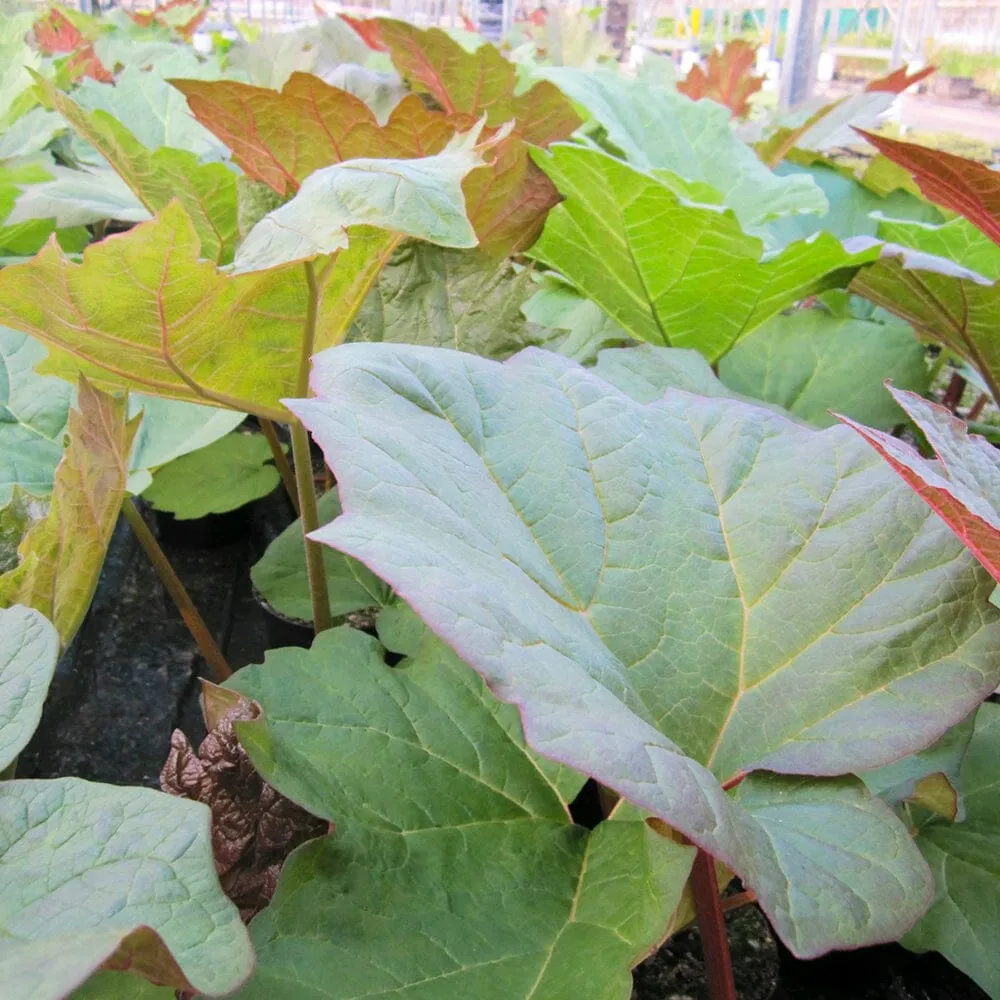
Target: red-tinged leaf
{"points": [[730, 79], [469, 24], [161, 16], [507, 205], [367, 29], [964, 186], [85, 63], [477, 83], [964, 489], [281, 138], [55, 33], [60, 557], [899, 80]]}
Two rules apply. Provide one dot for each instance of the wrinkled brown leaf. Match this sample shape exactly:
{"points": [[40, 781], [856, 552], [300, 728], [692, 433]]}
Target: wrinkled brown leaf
{"points": [[254, 828]]}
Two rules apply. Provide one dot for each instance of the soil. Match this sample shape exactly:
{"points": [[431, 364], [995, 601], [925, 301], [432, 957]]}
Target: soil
{"points": [[131, 677]]}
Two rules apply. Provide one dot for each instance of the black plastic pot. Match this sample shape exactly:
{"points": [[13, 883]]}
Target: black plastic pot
{"points": [[280, 630], [208, 532]]}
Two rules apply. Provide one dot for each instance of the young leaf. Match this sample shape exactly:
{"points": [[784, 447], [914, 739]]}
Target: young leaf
{"points": [[598, 562], [281, 578], [961, 923], [656, 128], [420, 198], [811, 362], [670, 272], [95, 875], [280, 138], [476, 83], [230, 472], [33, 412], [964, 489], [61, 555], [729, 81], [972, 189], [449, 836], [943, 298], [206, 190], [29, 648]]}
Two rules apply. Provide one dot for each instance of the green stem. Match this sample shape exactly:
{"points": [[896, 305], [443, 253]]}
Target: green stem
{"points": [[280, 460], [302, 459], [200, 632], [309, 517], [939, 362]]}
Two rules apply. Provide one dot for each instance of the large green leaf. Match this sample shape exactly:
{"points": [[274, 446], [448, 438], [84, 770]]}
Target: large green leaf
{"points": [[942, 280], [17, 59], [455, 870], [280, 574], [659, 128], [176, 325], [811, 362], [30, 134], [225, 475], [33, 413], [420, 197], [965, 858], [93, 874], [29, 647], [601, 563], [429, 295], [668, 271]]}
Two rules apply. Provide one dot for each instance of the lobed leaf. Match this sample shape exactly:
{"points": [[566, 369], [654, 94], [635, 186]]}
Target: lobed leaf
{"points": [[449, 837], [584, 552], [963, 487], [280, 138], [223, 476], [729, 81], [668, 271], [475, 83], [95, 875], [972, 189], [29, 648]]}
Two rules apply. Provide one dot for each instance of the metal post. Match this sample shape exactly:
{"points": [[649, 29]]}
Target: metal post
{"points": [[798, 68]]}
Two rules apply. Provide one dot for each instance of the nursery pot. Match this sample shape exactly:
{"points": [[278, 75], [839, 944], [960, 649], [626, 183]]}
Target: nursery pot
{"points": [[281, 630], [208, 532]]}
